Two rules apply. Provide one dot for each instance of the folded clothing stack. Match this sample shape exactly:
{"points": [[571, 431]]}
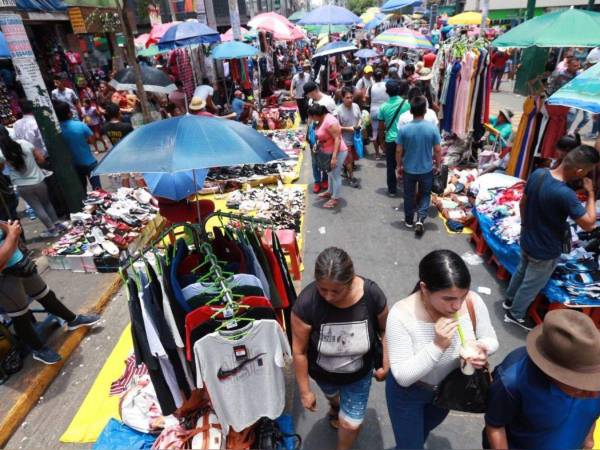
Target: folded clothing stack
{"points": [[108, 223], [454, 204], [283, 206]]}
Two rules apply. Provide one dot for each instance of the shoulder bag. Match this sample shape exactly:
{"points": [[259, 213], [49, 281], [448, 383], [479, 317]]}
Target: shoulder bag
{"points": [[460, 392], [388, 126], [565, 237], [378, 345]]}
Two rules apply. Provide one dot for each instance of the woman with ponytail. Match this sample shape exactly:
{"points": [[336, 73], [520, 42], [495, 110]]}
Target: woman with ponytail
{"points": [[424, 344], [22, 160]]}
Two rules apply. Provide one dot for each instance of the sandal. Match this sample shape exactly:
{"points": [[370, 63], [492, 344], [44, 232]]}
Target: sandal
{"points": [[331, 204], [324, 195]]}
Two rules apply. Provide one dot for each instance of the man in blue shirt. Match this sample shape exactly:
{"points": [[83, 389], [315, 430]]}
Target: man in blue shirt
{"points": [[546, 204], [547, 395], [78, 138], [417, 143], [237, 104]]}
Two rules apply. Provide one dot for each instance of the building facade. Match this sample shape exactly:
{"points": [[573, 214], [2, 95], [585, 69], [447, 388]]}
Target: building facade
{"points": [[506, 10]]}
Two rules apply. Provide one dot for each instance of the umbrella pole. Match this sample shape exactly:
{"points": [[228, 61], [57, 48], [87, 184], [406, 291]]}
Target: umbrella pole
{"points": [[197, 200]]}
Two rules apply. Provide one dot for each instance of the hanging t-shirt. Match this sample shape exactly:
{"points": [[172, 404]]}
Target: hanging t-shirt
{"points": [[244, 377], [341, 344], [240, 279]]}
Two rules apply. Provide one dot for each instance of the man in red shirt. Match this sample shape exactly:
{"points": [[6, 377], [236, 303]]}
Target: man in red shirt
{"points": [[429, 59], [498, 63]]}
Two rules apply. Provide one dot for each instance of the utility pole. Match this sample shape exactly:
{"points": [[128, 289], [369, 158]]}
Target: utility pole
{"points": [[531, 9], [485, 7], [28, 73], [591, 4], [234, 18]]}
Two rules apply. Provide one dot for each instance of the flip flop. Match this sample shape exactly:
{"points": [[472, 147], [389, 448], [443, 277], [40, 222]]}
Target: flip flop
{"points": [[324, 195], [331, 204]]}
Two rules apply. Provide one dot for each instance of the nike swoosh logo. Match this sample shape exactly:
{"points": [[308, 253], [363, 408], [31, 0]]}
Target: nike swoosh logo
{"points": [[223, 374]]}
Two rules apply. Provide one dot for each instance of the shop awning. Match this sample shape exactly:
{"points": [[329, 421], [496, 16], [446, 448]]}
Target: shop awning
{"points": [[49, 6], [92, 3], [512, 14]]}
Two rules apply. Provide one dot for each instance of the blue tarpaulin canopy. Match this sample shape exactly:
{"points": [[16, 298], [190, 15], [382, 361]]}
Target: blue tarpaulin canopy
{"points": [[41, 5]]}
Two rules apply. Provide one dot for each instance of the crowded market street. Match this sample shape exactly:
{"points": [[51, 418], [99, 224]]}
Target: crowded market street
{"points": [[343, 228]]}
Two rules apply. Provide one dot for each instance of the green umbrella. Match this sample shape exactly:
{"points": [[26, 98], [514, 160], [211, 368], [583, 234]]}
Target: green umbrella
{"points": [[318, 29], [566, 28], [297, 16], [150, 51]]}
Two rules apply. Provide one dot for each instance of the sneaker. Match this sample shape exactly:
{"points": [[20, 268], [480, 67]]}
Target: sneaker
{"points": [[325, 185], [392, 194], [46, 356], [82, 321], [46, 234], [317, 188], [419, 228], [354, 183], [527, 323], [408, 224], [30, 213], [507, 304]]}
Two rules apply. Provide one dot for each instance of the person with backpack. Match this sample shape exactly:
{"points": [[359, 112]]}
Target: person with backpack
{"points": [[424, 346], [338, 323], [388, 116]]}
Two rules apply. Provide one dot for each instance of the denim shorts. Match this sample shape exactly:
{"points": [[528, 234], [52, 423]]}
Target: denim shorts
{"points": [[353, 398]]}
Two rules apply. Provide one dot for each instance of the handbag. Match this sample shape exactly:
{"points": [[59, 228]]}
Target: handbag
{"points": [[377, 345], [440, 181], [270, 437], [460, 392], [23, 269], [358, 143]]}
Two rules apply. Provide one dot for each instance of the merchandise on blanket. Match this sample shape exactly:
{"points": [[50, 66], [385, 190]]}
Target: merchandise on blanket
{"points": [[118, 436], [204, 434], [108, 223], [139, 408], [276, 118], [284, 207], [454, 203]]}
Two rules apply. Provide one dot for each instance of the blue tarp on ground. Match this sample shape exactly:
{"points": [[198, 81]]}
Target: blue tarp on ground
{"points": [[508, 255], [118, 436], [41, 5]]}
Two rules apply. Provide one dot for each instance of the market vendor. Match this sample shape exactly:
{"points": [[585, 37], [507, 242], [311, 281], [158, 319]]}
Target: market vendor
{"points": [[503, 124], [20, 282]]}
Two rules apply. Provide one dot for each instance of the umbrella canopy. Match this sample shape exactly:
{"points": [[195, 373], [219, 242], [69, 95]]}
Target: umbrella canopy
{"points": [[188, 33], [375, 22], [318, 29], [466, 18], [334, 48], [403, 37], [297, 16], [158, 31], [228, 35], [566, 28], [176, 186], [366, 53], [4, 50], [582, 92], [395, 5], [186, 143], [370, 14], [141, 40], [330, 15], [153, 50], [282, 29], [233, 50], [154, 80]]}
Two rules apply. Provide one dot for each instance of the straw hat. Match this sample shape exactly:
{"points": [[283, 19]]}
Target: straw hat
{"points": [[566, 347], [197, 104], [507, 113], [425, 74], [306, 64]]}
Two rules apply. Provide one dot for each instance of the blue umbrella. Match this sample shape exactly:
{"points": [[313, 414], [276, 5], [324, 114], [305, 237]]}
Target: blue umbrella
{"points": [[335, 47], [366, 53], [232, 50], [375, 22], [186, 143], [394, 5], [582, 92], [330, 15], [176, 186], [188, 33], [4, 51]]}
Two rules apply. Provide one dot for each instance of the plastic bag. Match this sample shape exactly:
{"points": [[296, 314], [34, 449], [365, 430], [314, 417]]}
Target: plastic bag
{"points": [[460, 392], [118, 436], [358, 144], [440, 181]]}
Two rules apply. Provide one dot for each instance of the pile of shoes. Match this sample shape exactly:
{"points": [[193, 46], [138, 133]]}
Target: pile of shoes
{"points": [[108, 223], [283, 206]]}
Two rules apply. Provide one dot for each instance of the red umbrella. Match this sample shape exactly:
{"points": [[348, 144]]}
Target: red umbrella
{"points": [[158, 31], [282, 28]]}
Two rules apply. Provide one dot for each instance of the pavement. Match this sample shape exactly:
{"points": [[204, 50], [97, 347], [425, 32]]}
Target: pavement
{"points": [[369, 226]]}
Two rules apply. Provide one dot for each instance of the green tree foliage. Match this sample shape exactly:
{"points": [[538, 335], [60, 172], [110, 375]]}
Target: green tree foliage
{"points": [[360, 6]]}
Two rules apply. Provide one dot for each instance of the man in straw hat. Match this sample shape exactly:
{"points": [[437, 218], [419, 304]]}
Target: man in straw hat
{"points": [[547, 395]]}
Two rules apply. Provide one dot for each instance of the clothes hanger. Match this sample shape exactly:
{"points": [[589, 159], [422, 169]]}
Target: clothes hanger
{"points": [[232, 323]]}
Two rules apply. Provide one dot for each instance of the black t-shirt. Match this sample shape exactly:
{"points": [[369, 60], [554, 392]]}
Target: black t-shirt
{"points": [[116, 131], [341, 342]]}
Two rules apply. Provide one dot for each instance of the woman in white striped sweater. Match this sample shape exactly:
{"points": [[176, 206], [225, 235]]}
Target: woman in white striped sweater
{"points": [[424, 346]]}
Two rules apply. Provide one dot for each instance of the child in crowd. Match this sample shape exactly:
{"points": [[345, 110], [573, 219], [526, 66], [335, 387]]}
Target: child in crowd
{"points": [[92, 118]]}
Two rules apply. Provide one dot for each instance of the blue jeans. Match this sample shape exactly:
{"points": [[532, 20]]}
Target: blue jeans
{"points": [[353, 398], [412, 414], [318, 175], [390, 162], [424, 181], [572, 116], [526, 283], [335, 176]]}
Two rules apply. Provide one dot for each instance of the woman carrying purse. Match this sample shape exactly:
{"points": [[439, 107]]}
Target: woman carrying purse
{"points": [[424, 346]]}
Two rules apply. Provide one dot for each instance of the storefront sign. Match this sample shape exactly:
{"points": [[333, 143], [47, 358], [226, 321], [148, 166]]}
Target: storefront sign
{"points": [[26, 67], [8, 4], [15, 36], [77, 21]]}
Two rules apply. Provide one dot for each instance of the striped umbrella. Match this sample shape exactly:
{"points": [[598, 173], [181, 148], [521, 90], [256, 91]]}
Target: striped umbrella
{"points": [[334, 48], [403, 37], [582, 92]]}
